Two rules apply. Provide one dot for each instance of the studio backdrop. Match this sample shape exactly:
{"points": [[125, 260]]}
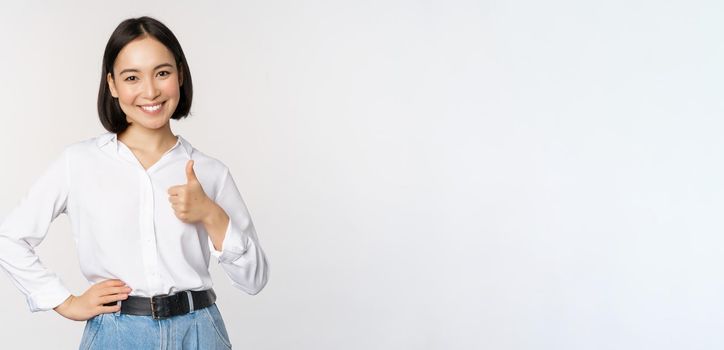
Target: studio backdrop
{"points": [[421, 174]]}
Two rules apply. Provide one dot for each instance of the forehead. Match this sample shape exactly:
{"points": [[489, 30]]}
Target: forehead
{"points": [[143, 53]]}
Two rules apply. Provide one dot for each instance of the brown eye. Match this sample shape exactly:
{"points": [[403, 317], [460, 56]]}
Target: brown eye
{"points": [[167, 73], [129, 78]]}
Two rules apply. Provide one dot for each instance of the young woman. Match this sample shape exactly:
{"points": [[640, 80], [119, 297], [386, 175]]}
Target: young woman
{"points": [[146, 208]]}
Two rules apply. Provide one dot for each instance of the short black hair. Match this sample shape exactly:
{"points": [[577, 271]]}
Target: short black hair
{"points": [[109, 111]]}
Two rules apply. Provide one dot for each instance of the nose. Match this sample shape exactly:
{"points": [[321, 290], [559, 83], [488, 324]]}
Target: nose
{"points": [[150, 90]]}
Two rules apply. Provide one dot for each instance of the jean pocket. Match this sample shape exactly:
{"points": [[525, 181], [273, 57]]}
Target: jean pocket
{"points": [[92, 326], [212, 312]]}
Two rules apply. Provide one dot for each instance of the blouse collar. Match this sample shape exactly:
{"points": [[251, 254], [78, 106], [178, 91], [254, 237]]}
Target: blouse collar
{"points": [[111, 137]]}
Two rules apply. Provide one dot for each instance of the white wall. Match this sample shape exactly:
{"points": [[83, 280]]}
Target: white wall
{"points": [[422, 174]]}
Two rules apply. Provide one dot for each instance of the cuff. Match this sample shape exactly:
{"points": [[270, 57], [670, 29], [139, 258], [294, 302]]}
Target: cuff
{"points": [[50, 296], [233, 246]]}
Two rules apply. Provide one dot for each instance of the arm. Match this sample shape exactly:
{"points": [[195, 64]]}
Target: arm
{"points": [[231, 235], [230, 228], [25, 228]]}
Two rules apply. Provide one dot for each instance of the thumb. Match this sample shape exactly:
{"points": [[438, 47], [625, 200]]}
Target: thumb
{"points": [[190, 173]]}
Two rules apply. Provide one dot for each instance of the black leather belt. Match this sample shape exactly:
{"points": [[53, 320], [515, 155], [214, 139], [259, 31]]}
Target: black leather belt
{"points": [[164, 305]]}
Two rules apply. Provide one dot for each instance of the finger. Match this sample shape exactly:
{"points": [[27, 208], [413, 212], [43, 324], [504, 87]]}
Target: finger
{"points": [[174, 199], [190, 173], [115, 290], [174, 190], [108, 309], [111, 283], [112, 298]]}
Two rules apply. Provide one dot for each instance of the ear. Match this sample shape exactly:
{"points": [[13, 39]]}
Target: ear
{"points": [[112, 85]]}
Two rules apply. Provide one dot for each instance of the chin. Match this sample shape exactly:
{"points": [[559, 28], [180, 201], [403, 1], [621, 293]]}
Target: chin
{"points": [[156, 126], [152, 125]]}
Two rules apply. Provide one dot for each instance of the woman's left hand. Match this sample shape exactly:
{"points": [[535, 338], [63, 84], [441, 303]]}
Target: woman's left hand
{"points": [[189, 202]]}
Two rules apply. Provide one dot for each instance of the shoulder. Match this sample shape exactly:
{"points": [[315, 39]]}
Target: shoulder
{"points": [[212, 164], [75, 148], [211, 171], [202, 160], [90, 143]]}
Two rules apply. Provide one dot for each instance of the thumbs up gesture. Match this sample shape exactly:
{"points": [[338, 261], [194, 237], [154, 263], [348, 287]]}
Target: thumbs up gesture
{"points": [[189, 201]]}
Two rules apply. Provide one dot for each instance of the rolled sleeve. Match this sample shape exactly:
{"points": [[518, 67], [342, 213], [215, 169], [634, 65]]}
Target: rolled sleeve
{"points": [[233, 246], [49, 296]]}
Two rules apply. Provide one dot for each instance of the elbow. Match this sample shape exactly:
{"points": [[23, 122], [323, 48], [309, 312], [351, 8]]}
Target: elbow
{"points": [[256, 289], [257, 281], [251, 288], [261, 278]]}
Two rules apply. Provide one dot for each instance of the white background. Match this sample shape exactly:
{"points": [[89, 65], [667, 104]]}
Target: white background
{"points": [[422, 174]]}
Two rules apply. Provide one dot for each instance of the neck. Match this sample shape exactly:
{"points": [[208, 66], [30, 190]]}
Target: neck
{"points": [[148, 140]]}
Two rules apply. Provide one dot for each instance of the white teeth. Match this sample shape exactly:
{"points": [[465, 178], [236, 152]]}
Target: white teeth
{"points": [[152, 108]]}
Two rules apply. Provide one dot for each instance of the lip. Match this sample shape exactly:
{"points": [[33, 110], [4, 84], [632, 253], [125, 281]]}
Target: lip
{"points": [[156, 112]]}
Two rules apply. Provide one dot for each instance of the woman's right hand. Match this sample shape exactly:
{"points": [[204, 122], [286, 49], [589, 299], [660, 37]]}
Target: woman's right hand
{"points": [[90, 303]]}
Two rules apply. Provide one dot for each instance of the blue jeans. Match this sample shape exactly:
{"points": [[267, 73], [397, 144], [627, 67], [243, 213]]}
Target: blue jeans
{"points": [[200, 329]]}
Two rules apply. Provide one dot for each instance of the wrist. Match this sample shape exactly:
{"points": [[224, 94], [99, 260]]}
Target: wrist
{"points": [[65, 303], [214, 214]]}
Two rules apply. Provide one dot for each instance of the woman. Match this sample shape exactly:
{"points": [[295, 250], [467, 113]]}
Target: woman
{"points": [[146, 208]]}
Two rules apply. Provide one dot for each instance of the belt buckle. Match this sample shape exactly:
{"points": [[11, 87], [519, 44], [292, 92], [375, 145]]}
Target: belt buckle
{"points": [[154, 313]]}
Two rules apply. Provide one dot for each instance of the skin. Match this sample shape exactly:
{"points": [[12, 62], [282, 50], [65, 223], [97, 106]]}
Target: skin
{"points": [[145, 73]]}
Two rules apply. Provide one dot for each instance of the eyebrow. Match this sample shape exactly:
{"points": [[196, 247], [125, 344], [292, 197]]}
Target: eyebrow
{"points": [[136, 70]]}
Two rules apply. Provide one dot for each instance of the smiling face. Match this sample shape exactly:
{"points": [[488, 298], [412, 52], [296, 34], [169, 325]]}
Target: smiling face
{"points": [[146, 82]]}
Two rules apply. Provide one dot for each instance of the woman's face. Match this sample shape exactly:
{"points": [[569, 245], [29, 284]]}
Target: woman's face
{"points": [[146, 82]]}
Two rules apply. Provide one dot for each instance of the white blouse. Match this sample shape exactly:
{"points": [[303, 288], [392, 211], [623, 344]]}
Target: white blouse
{"points": [[124, 226]]}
